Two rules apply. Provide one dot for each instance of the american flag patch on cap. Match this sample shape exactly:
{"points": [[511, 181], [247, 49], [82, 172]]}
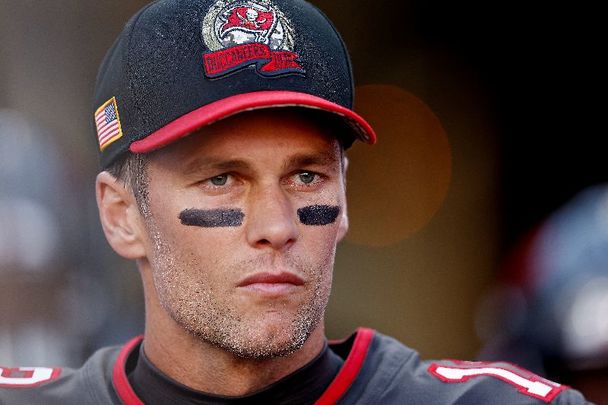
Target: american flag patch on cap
{"points": [[107, 122]]}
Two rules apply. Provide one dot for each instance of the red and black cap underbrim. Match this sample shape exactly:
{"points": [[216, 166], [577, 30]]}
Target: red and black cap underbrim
{"points": [[229, 106]]}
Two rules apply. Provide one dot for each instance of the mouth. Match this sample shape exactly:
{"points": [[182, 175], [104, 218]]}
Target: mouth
{"points": [[271, 283]]}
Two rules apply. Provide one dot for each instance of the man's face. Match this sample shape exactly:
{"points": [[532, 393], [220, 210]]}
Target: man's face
{"points": [[243, 226]]}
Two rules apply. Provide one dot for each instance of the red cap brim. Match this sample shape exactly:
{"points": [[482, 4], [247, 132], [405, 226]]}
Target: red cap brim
{"points": [[224, 108]]}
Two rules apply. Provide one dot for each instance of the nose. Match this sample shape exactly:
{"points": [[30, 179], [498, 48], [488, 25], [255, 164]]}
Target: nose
{"points": [[271, 221]]}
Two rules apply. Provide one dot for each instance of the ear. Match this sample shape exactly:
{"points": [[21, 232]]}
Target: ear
{"points": [[120, 218], [343, 225]]}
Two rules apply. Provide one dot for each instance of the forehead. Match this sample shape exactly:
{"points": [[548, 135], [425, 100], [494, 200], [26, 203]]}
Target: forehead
{"points": [[252, 134]]}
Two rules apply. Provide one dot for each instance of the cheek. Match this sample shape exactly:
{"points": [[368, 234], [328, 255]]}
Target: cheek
{"points": [[319, 242]]}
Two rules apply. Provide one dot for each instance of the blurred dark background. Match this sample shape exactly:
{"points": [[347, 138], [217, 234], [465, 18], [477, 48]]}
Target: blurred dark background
{"points": [[512, 97], [539, 64]]}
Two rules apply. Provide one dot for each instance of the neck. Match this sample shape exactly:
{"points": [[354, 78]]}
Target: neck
{"points": [[205, 367]]}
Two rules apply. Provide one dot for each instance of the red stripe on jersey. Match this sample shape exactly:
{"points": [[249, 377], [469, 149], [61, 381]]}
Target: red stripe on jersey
{"points": [[119, 375], [350, 369]]}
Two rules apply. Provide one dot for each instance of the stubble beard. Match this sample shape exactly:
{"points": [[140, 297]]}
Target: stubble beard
{"points": [[211, 317]]}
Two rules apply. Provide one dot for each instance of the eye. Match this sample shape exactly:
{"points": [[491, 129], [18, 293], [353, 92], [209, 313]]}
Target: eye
{"points": [[219, 180], [307, 177], [220, 184]]}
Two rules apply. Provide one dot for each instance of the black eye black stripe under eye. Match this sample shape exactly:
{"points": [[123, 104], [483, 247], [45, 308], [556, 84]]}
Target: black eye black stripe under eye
{"points": [[318, 214], [212, 218], [230, 217]]}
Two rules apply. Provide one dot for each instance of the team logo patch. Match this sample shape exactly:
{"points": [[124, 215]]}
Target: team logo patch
{"points": [[107, 122], [241, 33]]}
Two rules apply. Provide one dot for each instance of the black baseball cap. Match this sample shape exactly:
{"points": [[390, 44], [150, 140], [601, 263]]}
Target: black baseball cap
{"points": [[179, 65]]}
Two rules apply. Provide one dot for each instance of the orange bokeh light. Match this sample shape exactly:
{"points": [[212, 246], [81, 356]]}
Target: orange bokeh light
{"points": [[397, 186]]}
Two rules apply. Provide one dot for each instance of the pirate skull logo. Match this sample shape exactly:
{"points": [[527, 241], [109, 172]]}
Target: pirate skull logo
{"points": [[236, 22]]}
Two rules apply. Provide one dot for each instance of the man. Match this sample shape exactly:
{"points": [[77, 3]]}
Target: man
{"points": [[222, 146]]}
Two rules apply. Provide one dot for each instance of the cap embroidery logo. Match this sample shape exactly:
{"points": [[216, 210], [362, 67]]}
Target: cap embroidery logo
{"points": [[252, 32]]}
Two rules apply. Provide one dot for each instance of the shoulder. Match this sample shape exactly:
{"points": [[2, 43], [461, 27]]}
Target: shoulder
{"points": [[90, 384], [392, 372]]}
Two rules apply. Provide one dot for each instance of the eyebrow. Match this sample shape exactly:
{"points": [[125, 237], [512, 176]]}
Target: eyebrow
{"points": [[205, 163], [202, 164], [311, 159]]}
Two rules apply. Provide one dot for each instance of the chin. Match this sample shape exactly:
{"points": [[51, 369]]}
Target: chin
{"points": [[262, 349], [277, 339], [274, 336]]}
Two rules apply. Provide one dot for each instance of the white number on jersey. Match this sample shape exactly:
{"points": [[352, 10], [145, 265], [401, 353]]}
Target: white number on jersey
{"points": [[23, 377], [526, 382]]}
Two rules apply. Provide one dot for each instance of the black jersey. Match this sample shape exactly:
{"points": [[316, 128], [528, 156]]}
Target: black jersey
{"points": [[377, 370]]}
